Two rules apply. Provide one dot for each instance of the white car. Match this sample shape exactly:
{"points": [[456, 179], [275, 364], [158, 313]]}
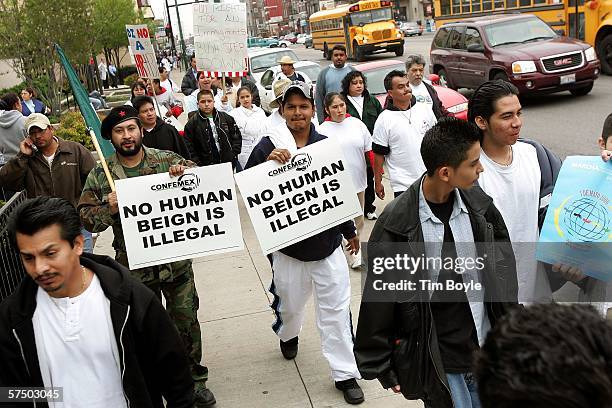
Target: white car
{"points": [[264, 82], [260, 59]]}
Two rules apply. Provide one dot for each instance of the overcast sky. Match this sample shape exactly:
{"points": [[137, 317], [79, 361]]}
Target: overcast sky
{"points": [[185, 11]]}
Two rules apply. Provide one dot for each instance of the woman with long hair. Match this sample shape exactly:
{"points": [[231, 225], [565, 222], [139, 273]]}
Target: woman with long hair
{"points": [[29, 103], [365, 107], [249, 118], [356, 142]]}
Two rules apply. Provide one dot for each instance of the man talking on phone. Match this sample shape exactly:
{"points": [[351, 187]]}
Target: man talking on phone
{"points": [[48, 166]]}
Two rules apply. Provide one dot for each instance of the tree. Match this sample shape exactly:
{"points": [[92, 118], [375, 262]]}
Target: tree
{"points": [[110, 18], [28, 30]]}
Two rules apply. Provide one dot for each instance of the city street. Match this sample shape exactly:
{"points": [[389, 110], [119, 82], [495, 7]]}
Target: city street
{"points": [[565, 123]]}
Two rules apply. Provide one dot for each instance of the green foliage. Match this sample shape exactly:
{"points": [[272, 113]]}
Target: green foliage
{"points": [[72, 127], [130, 79], [109, 20]]}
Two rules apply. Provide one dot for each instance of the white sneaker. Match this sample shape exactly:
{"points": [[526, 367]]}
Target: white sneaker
{"points": [[371, 215], [355, 261]]}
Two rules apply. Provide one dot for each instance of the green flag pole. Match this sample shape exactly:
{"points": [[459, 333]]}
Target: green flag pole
{"points": [[82, 99]]}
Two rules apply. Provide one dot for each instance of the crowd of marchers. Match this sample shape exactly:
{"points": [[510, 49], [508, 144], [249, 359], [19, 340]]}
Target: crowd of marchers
{"points": [[88, 320]]}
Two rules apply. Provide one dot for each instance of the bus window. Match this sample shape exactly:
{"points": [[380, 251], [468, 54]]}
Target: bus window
{"points": [[372, 16], [456, 8], [444, 7]]}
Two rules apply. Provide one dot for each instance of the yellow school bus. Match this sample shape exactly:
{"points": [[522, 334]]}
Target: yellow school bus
{"points": [[594, 18], [364, 28]]}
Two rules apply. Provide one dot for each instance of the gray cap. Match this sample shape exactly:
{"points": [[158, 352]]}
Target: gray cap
{"points": [[301, 87]]}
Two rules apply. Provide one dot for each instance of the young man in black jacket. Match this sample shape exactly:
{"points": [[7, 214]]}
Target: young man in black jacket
{"points": [[80, 322], [212, 136], [155, 132], [316, 263], [419, 341]]}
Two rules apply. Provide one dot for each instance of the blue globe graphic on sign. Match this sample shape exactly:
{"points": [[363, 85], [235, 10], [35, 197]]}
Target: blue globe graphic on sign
{"points": [[586, 220]]}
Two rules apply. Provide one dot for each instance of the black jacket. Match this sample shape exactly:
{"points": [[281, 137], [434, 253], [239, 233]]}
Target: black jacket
{"points": [[153, 359], [396, 340], [189, 83], [165, 137], [321, 245], [199, 135]]}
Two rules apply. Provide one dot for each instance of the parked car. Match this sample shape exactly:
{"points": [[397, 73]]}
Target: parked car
{"points": [[262, 59], [262, 42], [519, 48], [308, 41], [410, 28], [375, 72], [311, 69], [292, 38]]}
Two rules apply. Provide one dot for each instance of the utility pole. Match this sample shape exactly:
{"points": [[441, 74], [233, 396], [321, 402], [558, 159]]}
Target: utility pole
{"points": [[183, 50], [173, 45]]}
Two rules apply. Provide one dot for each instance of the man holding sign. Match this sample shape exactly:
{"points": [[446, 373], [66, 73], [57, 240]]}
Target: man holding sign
{"points": [[317, 261], [99, 210]]}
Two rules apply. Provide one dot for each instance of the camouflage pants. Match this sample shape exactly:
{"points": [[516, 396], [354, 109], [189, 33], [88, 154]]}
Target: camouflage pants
{"points": [[175, 280]]}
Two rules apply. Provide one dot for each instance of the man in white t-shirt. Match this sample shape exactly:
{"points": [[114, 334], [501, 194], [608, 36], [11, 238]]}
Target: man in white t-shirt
{"points": [[397, 137], [422, 91], [80, 322], [514, 179]]}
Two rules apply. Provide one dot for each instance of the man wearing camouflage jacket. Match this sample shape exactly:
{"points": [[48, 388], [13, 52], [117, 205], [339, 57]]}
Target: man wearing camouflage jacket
{"points": [[99, 210]]}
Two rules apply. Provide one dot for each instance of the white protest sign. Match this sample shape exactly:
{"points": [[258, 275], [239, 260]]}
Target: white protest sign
{"points": [[291, 202], [166, 219], [220, 38], [141, 47]]}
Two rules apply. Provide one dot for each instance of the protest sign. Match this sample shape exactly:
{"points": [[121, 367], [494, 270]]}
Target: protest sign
{"points": [[220, 38], [577, 230], [166, 219], [140, 46], [290, 202]]}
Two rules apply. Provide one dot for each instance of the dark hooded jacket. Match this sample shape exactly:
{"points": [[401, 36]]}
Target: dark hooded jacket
{"points": [[165, 137], [396, 339], [153, 359]]}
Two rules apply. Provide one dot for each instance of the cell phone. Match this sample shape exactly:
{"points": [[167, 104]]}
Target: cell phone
{"points": [[31, 144]]}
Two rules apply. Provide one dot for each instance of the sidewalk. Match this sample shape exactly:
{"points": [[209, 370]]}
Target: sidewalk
{"points": [[241, 350]]}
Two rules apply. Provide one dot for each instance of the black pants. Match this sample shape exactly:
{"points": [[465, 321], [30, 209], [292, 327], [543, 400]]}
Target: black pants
{"points": [[370, 196]]}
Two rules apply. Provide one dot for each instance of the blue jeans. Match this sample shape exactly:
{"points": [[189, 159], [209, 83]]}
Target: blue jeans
{"points": [[88, 241], [463, 390]]}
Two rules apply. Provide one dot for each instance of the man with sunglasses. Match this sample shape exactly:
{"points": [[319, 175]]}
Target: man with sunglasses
{"points": [[48, 166]]}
